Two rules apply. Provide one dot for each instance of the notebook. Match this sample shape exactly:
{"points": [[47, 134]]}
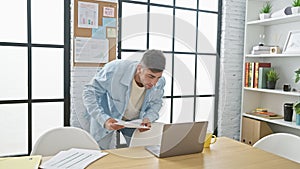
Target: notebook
{"points": [[25, 162], [180, 139]]}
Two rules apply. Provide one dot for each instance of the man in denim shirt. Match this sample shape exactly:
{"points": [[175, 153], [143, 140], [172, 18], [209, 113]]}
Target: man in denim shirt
{"points": [[125, 90]]}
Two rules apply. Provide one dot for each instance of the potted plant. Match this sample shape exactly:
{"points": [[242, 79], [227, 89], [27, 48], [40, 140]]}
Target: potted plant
{"points": [[272, 77], [265, 11], [297, 74], [297, 111], [296, 6]]}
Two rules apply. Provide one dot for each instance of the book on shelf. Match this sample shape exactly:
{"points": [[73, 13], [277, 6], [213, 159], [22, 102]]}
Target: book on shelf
{"points": [[259, 52], [259, 48], [256, 71], [246, 81], [252, 76], [262, 77]]}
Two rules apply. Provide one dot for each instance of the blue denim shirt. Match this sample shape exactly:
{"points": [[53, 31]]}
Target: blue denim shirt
{"points": [[107, 95]]}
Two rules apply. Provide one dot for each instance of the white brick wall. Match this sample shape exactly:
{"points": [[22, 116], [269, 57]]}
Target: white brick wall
{"points": [[231, 65]]}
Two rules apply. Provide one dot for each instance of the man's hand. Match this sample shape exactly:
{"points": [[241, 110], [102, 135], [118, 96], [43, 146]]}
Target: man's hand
{"points": [[110, 124], [146, 122]]}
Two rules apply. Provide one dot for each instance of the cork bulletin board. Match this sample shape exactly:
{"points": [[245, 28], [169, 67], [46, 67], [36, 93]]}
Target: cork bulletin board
{"points": [[86, 30]]}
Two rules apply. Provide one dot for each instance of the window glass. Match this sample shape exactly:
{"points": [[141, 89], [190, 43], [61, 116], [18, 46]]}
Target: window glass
{"points": [[163, 2], [46, 116], [13, 21], [185, 30], [139, 0], [206, 74], [184, 74], [187, 3], [168, 74], [134, 26], [207, 35], [47, 25], [211, 5], [13, 73], [183, 110], [47, 73], [137, 56], [161, 28], [14, 129], [164, 113], [205, 111]]}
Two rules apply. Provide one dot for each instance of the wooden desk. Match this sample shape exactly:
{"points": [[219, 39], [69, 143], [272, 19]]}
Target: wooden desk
{"points": [[224, 154]]}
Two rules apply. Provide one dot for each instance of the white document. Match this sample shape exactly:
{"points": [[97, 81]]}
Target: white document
{"points": [[87, 15], [108, 11], [89, 50], [132, 124], [73, 159]]}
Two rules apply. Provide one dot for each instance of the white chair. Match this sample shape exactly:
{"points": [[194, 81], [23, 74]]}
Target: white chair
{"points": [[63, 138], [150, 137], [282, 144]]}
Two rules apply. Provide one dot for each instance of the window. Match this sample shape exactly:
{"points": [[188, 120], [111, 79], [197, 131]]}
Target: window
{"points": [[188, 32], [34, 71]]}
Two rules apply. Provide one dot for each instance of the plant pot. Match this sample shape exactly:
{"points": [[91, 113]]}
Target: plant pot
{"points": [[297, 119], [271, 84], [295, 10], [264, 16]]}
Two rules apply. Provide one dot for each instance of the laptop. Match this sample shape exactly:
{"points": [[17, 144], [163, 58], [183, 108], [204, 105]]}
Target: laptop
{"points": [[180, 139]]}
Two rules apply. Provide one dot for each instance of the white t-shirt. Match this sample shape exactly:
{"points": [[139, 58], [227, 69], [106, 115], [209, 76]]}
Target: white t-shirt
{"points": [[137, 95]]}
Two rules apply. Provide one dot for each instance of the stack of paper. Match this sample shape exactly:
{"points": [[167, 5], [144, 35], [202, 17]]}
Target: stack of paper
{"points": [[132, 124], [26, 162], [73, 159]]}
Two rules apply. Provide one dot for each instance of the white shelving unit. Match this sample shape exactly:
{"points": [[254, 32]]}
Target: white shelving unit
{"points": [[275, 31]]}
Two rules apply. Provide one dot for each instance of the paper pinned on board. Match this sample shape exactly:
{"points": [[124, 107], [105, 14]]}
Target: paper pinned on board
{"points": [[87, 15], [89, 50], [73, 159]]}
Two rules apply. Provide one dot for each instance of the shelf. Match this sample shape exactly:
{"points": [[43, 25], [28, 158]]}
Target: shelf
{"points": [[272, 55], [273, 91], [277, 20], [274, 121]]}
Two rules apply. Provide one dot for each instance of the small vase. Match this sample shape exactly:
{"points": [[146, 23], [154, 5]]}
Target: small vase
{"points": [[271, 84], [295, 10], [297, 119], [264, 16]]}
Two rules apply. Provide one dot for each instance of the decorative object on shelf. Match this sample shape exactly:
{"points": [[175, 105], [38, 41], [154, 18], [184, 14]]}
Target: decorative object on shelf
{"points": [[261, 40], [296, 6], [283, 12], [297, 111], [272, 77], [265, 114], [286, 87], [275, 50], [292, 43], [265, 11], [288, 111]]}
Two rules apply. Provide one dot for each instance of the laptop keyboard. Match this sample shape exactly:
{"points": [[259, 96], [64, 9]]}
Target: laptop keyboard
{"points": [[154, 149]]}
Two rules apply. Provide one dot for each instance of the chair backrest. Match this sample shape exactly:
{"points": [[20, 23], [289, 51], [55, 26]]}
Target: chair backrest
{"points": [[150, 137], [63, 138], [282, 144]]}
